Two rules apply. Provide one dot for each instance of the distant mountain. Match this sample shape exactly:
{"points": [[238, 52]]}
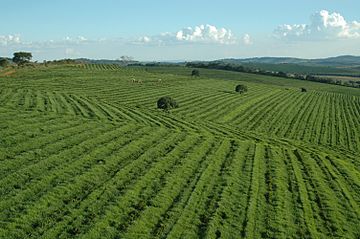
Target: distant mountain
{"points": [[346, 60], [338, 61], [266, 60]]}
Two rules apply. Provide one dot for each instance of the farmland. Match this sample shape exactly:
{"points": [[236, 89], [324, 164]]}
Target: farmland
{"points": [[85, 153]]}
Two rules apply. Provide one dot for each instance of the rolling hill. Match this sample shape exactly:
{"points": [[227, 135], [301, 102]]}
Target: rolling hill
{"points": [[85, 153]]}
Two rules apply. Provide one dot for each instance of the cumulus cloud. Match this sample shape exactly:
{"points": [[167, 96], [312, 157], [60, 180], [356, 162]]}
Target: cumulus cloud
{"points": [[323, 25], [199, 34], [247, 39], [206, 33], [9, 39], [145, 39]]}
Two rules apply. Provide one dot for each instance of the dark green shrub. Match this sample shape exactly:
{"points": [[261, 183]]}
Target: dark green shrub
{"points": [[4, 62], [195, 72], [166, 103], [241, 89]]}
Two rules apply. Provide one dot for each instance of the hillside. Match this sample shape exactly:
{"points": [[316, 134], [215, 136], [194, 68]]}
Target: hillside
{"points": [[330, 61], [85, 153], [340, 65]]}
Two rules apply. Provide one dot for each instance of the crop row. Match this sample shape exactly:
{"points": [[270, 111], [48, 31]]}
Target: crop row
{"points": [[105, 67], [91, 179]]}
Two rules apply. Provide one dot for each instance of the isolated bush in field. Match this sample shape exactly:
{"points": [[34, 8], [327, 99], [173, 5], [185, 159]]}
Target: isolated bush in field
{"points": [[4, 62], [21, 58], [241, 89], [303, 90], [166, 103], [195, 72]]}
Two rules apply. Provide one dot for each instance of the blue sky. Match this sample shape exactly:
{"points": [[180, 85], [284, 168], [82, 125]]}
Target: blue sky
{"points": [[158, 30]]}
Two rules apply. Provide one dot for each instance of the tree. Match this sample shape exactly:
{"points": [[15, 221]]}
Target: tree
{"points": [[21, 58], [126, 59], [282, 74], [195, 72], [241, 89], [303, 90], [166, 103], [4, 62]]}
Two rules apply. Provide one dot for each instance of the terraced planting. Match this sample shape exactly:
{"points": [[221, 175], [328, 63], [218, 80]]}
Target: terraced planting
{"points": [[84, 153]]}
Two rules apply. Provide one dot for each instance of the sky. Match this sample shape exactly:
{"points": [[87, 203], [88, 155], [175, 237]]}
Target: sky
{"points": [[160, 30]]}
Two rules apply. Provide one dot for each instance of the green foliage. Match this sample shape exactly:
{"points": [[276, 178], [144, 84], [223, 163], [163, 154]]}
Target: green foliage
{"points": [[241, 89], [4, 62], [195, 72], [21, 58], [166, 103]]}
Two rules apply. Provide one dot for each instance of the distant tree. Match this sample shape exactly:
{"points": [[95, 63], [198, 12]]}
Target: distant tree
{"points": [[166, 103], [126, 59], [282, 74], [241, 89], [4, 62], [303, 90], [195, 72], [21, 58]]}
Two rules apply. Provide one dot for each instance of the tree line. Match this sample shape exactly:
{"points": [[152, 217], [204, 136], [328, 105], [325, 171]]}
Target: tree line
{"points": [[240, 68], [24, 59]]}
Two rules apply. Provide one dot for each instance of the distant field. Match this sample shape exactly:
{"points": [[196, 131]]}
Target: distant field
{"points": [[305, 69], [84, 153], [253, 78], [343, 78]]}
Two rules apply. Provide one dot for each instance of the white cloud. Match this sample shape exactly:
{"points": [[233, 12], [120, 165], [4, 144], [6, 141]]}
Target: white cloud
{"points": [[323, 25], [247, 39], [81, 38], [144, 39], [10, 39], [199, 34], [76, 40], [207, 34]]}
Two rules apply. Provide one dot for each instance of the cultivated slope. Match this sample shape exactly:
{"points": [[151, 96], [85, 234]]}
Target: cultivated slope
{"points": [[84, 153]]}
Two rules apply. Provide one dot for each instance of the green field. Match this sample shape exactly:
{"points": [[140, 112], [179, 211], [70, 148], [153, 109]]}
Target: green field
{"points": [[85, 153], [306, 69]]}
